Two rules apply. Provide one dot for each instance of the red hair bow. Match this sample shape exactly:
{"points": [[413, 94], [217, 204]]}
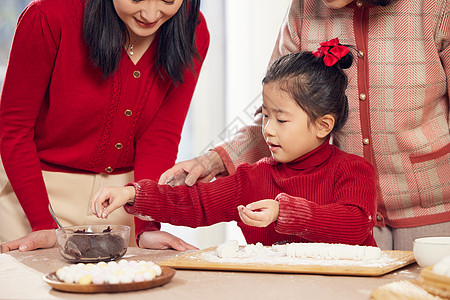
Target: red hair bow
{"points": [[331, 51]]}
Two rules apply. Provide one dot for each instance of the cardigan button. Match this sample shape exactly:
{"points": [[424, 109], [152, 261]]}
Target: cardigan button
{"points": [[366, 141], [108, 170], [359, 3], [128, 113], [362, 97], [118, 146], [360, 53], [136, 74]]}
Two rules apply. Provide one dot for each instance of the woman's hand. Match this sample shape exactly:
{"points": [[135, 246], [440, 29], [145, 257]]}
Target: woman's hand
{"points": [[163, 240], [260, 213], [110, 198], [202, 168], [34, 240]]}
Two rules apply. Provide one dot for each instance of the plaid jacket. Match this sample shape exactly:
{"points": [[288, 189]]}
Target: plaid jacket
{"points": [[400, 122]]}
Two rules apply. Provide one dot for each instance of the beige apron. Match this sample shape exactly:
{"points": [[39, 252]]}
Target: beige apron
{"points": [[69, 194]]}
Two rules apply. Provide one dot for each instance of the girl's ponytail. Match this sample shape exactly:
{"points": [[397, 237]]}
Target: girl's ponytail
{"points": [[337, 56], [346, 61]]}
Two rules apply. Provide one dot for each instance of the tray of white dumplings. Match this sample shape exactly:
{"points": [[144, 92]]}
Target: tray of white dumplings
{"points": [[101, 277], [313, 258]]}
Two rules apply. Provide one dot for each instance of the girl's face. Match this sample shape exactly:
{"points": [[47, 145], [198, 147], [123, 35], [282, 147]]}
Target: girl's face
{"points": [[286, 129], [143, 18], [336, 4]]}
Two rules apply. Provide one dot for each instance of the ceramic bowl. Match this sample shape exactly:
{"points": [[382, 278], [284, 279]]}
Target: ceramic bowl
{"points": [[430, 250], [93, 243]]}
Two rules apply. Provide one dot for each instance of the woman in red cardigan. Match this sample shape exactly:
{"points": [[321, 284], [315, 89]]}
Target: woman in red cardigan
{"points": [[308, 191], [95, 91]]}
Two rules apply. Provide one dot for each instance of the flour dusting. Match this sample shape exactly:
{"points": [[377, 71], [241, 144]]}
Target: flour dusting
{"points": [[276, 255]]}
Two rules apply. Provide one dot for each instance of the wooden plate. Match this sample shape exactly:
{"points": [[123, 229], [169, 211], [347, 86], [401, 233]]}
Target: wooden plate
{"points": [[404, 289], [54, 282], [436, 284]]}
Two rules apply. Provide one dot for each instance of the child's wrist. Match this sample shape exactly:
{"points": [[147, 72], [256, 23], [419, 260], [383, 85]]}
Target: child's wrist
{"points": [[131, 194]]}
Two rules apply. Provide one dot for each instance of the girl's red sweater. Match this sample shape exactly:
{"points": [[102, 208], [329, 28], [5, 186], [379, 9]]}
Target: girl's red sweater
{"points": [[326, 196]]}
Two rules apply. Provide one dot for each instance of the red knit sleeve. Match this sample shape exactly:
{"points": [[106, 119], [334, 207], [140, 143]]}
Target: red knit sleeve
{"points": [[346, 218], [203, 204], [156, 149], [27, 78]]}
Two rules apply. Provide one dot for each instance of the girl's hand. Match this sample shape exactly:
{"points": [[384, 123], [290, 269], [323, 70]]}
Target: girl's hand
{"points": [[260, 213], [110, 198]]}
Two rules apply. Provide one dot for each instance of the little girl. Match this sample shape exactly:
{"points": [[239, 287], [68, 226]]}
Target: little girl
{"points": [[308, 191]]}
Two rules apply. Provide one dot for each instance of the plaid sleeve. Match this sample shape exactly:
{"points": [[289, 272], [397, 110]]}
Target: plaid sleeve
{"points": [[444, 37], [247, 145]]}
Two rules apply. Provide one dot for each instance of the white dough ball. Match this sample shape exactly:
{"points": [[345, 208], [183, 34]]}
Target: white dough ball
{"points": [[60, 273], [279, 248], [291, 249], [228, 249], [299, 250], [443, 266], [441, 269], [372, 253], [149, 275], [122, 262], [157, 269], [69, 278]]}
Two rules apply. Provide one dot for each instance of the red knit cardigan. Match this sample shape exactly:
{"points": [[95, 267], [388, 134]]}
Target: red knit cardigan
{"points": [[58, 114]]}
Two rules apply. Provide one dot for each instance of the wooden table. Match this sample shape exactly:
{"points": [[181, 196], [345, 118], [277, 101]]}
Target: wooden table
{"points": [[188, 284]]}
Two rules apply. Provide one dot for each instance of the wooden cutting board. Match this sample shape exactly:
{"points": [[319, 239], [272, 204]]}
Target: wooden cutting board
{"points": [[207, 260]]}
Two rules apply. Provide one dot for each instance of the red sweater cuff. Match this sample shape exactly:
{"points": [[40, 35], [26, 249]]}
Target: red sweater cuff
{"points": [[227, 162], [41, 220], [286, 218], [44, 225], [140, 226]]}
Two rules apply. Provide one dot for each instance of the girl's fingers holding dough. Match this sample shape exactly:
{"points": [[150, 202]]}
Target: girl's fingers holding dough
{"points": [[102, 202], [254, 215], [93, 203], [244, 217], [250, 217], [99, 202]]}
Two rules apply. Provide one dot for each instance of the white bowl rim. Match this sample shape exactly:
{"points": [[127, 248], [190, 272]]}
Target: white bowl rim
{"points": [[434, 240]]}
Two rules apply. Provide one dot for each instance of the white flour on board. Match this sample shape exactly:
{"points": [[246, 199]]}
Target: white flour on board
{"points": [[270, 256]]}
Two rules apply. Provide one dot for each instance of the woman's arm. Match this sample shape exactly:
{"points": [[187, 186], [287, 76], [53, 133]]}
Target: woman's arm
{"points": [[28, 76]]}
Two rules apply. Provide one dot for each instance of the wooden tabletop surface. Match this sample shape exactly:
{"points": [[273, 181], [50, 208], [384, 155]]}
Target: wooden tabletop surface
{"points": [[21, 278]]}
